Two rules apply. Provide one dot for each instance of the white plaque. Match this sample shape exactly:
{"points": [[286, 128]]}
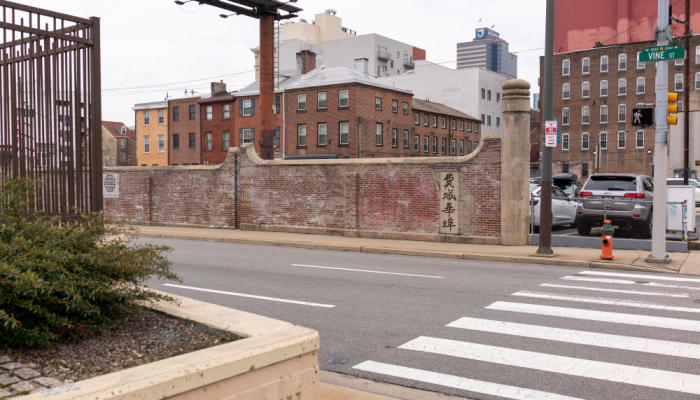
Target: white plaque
{"points": [[110, 185], [449, 203], [550, 133]]}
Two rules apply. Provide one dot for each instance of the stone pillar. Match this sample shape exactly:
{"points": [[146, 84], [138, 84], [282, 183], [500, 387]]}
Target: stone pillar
{"points": [[515, 163]]}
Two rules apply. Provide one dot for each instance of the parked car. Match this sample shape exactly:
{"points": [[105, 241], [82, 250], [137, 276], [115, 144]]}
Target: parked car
{"points": [[624, 199], [691, 182], [568, 183], [563, 208]]}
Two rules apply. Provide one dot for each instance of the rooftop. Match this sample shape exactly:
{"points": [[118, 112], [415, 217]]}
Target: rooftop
{"points": [[437, 108], [338, 75]]}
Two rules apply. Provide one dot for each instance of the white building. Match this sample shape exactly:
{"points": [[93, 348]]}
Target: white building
{"points": [[473, 91]]}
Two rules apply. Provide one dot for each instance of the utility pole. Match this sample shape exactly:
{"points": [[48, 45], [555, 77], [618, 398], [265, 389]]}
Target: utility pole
{"points": [[546, 183], [658, 237], [686, 97]]}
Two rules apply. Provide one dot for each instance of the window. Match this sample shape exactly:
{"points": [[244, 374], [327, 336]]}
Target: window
{"points": [[640, 139], [565, 70], [416, 118], [405, 139], [444, 122], [301, 102], [498, 97], [377, 103], [584, 169], [425, 120], [344, 133], [621, 140], [434, 121], [405, 108], [622, 86], [585, 89], [622, 62], [322, 135], [277, 104], [378, 134], [565, 142], [146, 117], [123, 143], [679, 61], [697, 81], [277, 137], [476, 128], [394, 106], [622, 113], [679, 83], [640, 65], [434, 145], [461, 126], [192, 113], [176, 113], [469, 147], [586, 66], [565, 167], [680, 106], [604, 64], [123, 130], [176, 141], [483, 94], [207, 141], [641, 84], [301, 135], [208, 113], [461, 147], [488, 120], [565, 116], [227, 111], [425, 144], [488, 95], [322, 100], [566, 91], [454, 146], [161, 116], [247, 135], [603, 88], [225, 140], [498, 122], [444, 146], [416, 143], [469, 126], [584, 141], [483, 119], [193, 141], [585, 115], [394, 138], [161, 143], [344, 98], [603, 140], [603, 114], [122, 157]]}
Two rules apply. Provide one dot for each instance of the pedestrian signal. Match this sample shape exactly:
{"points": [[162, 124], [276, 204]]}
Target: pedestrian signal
{"points": [[642, 116]]}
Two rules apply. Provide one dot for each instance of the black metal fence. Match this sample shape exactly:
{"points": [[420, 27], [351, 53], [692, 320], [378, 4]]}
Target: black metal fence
{"points": [[50, 114]]}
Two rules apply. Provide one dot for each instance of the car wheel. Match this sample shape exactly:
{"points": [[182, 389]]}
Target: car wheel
{"points": [[583, 228]]}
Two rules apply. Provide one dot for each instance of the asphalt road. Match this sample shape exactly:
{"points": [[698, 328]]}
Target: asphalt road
{"points": [[578, 336]]}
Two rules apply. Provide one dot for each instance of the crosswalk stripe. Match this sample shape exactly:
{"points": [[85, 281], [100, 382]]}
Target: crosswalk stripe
{"points": [[599, 300], [653, 378], [625, 282], [653, 346], [472, 385], [602, 316], [654, 277], [678, 295]]}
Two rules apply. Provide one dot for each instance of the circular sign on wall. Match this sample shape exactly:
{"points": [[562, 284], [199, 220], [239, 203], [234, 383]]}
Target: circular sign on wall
{"points": [[110, 183]]}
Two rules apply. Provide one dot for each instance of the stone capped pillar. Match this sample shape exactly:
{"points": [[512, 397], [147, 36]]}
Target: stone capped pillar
{"points": [[515, 163]]}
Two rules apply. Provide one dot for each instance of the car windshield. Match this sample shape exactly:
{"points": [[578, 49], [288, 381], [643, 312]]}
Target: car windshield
{"points": [[617, 183], [568, 187]]}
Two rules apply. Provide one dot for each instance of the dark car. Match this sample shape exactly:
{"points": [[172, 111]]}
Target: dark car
{"points": [[568, 183]]}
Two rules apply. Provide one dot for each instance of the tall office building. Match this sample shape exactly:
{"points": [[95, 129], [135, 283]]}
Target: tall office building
{"points": [[489, 51]]}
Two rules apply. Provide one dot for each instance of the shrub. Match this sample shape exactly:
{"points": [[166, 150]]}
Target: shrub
{"points": [[67, 279]]}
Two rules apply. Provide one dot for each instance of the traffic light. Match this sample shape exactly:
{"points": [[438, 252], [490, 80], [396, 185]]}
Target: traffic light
{"points": [[672, 108]]}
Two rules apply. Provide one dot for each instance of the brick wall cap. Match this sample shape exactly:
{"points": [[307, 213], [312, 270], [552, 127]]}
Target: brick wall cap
{"points": [[165, 168]]}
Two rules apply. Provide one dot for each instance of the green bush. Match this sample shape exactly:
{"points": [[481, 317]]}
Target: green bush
{"points": [[67, 279]]}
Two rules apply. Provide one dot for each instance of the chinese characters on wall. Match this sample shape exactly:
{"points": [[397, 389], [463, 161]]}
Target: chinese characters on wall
{"points": [[449, 202]]}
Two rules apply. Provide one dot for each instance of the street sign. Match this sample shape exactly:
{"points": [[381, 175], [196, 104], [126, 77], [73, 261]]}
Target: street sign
{"points": [[669, 33], [550, 133], [661, 53], [642, 116]]}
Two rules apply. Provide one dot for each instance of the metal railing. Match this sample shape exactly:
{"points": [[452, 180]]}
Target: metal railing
{"points": [[408, 63], [383, 55]]}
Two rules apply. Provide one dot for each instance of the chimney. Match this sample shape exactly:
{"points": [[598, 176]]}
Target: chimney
{"points": [[306, 62], [362, 66], [218, 89]]}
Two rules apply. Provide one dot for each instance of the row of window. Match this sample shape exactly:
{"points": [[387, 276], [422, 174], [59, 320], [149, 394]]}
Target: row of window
{"points": [[603, 140], [147, 143], [176, 113], [622, 86], [122, 157], [453, 144], [486, 95], [426, 122], [322, 100], [147, 117], [192, 140], [585, 113], [621, 63], [584, 168]]}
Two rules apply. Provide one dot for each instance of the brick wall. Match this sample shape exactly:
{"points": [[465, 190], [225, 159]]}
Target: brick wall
{"points": [[184, 154]]}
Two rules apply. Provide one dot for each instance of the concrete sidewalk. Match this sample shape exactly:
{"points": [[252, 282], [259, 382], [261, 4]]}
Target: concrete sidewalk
{"points": [[683, 263]]}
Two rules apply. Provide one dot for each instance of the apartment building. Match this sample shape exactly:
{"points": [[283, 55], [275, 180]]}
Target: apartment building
{"points": [[184, 131], [488, 50], [152, 133], [125, 143], [594, 93]]}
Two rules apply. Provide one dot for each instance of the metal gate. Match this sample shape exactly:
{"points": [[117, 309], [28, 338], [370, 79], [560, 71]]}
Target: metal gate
{"points": [[50, 114]]}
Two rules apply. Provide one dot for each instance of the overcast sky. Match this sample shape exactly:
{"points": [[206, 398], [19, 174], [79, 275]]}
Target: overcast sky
{"points": [[156, 42]]}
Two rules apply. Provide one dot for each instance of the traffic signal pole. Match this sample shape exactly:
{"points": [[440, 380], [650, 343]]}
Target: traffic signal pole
{"points": [[658, 238], [686, 100]]}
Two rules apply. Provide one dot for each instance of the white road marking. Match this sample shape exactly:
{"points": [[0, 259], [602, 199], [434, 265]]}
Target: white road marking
{"points": [[653, 346], [602, 316], [653, 277], [600, 300], [624, 282], [653, 378], [679, 295], [252, 296], [367, 270], [493, 389]]}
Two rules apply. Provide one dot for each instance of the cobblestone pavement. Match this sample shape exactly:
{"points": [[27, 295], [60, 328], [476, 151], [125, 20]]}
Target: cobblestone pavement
{"points": [[19, 379]]}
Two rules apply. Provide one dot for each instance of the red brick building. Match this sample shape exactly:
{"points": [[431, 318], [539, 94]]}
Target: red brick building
{"points": [[184, 132], [126, 142]]}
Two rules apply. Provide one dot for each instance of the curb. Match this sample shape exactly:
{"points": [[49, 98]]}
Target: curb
{"points": [[419, 253]]}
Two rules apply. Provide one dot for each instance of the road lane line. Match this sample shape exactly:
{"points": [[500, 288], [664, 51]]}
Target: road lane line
{"points": [[601, 316], [600, 300], [456, 382], [367, 270], [633, 375], [625, 282], [653, 277], [252, 296], [663, 347], [678, 295]]}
